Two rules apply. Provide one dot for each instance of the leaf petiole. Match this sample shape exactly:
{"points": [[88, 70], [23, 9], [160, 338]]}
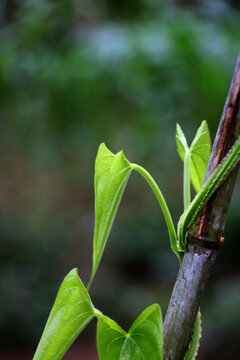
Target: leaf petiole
{"points": [[163, 205]]}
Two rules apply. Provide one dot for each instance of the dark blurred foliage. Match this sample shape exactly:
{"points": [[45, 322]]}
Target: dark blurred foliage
{"points": [[72, 75]]}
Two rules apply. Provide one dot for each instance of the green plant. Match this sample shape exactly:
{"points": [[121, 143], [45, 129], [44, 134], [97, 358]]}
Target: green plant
{"points": [[73, 308]]}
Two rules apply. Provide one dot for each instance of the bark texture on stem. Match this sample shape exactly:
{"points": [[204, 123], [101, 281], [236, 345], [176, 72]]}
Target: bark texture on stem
{"points": [[207, 230], [194, 272], [209, 225]]}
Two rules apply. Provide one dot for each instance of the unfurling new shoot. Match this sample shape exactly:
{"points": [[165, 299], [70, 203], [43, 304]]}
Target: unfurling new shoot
{"points": [[73, 308]]}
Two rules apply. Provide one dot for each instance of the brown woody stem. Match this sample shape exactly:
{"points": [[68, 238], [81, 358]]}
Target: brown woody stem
{"points": [[205, 234]]}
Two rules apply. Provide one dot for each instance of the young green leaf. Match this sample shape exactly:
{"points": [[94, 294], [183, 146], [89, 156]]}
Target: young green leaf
{"points": [[144, 340], [211, 185], [111, 175], [185, 154], [182, 146], [199, 152], [193, 346], [71, 312]]}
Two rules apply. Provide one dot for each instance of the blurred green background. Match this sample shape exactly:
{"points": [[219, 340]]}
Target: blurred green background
{"points": [[72, 75]]}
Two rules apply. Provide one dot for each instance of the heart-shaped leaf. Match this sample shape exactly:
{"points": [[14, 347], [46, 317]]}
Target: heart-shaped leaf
{"points": [[144, 340], [111, 175], [199, 152], [71, 312]]}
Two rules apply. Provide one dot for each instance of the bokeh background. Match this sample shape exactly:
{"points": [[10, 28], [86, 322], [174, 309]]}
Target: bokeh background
{"points": [[72, 75]]}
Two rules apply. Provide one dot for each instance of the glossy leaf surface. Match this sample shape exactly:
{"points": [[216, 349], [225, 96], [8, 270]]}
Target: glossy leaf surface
{"points": [[144, 340], [199, 151], [71, 312], [111, 175]]}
